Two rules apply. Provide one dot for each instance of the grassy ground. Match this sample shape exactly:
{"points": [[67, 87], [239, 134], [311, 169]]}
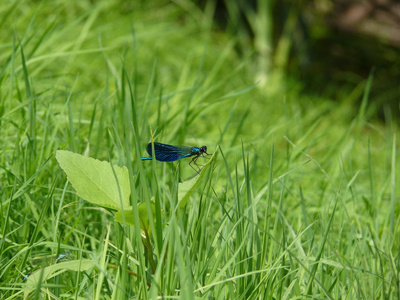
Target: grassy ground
{"points": [[302, 200]]}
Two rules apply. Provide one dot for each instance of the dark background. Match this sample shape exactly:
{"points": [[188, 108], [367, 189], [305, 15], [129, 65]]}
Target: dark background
{"points": [[334, 44]]}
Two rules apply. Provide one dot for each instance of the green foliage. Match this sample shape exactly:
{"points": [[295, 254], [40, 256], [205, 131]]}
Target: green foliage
{"points": [[105, 185], [96, 181], [126, 216], [301, 202], [188, 187], [48, 272]]}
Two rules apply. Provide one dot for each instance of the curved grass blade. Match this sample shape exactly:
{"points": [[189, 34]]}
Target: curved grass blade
{"points": [[53, 270], [186, 188]]}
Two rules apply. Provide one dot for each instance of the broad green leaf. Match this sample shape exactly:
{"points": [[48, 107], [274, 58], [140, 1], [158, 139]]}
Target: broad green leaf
{"points": [[127, 214], [95, 181], [186, 188], [56, 269]]}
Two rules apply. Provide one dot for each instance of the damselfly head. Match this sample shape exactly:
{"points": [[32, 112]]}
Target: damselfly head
{"points": [[203, 149]]}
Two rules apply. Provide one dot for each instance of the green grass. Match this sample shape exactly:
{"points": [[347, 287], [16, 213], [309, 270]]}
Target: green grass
{"points": [[302, 201]]}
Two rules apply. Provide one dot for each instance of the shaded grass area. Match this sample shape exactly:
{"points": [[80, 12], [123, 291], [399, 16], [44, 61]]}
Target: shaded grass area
{"points": [[302, 202]]}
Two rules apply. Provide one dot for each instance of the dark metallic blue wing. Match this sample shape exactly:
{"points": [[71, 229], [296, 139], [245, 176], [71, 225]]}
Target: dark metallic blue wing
{"points": [[168, 153]]}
